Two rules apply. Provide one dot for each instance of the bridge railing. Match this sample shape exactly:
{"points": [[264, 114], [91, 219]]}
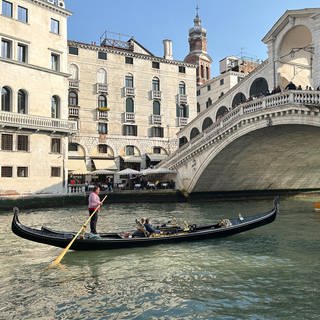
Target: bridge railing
{"points": [[295, 97]]}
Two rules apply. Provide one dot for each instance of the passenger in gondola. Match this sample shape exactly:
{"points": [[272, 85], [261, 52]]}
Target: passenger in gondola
{"points": [[148, 226], [141, 230]]}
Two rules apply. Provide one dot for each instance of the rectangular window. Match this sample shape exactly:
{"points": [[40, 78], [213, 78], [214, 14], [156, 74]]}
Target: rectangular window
{"points": [[73, 50], [157, 150], [198, 92], [130, 130], [22, 14], [221, 82], [55, 145], [7, 142], [155, 65], [129, 60], [7, 8], [72, 147], [6, 172], [22, 172], [208, 87], [6, 48], [102, 55], [23, 143], [55, 62], [22, 52], [182, 69], [102, 128], [55, 26], [55, 171], [157, 132]]}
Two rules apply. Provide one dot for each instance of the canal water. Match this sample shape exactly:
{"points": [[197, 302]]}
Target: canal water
{"points": [[271, 272]]}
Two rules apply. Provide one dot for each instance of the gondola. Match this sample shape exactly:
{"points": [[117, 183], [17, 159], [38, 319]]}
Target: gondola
{"points": [[170, 233]]}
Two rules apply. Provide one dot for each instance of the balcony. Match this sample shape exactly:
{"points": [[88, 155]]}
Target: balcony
{"points": [[37, 123], [74, 84], [155, 95], [182, 122], [101, 88], [74, 112], [129, 117], [182, 99], [128, 91], [102, 115], [155, 119]]}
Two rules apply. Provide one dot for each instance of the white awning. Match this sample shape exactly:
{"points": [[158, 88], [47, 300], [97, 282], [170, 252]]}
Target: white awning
{"points": [[77, 166], [105, 164], [156, 157], [132, 159]]}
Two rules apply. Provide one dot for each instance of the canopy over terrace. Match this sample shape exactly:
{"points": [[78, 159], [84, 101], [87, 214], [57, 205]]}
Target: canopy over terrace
{"points": [[77, 166], [105, 164]]}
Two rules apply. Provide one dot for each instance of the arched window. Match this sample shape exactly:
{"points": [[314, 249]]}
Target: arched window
{"points": [[129, 81], [102, 76], [74, 71], [73, 98], [102, 101], [155, 84], [6, 97], [182, 111], [129, 105], [55, 107], [208, 73], [221, 112], [202, 71], [259, 87], [182, 141], [207, 123], [182, 88], [238, 99], [194, 133], [156, 108], [22, 101]]}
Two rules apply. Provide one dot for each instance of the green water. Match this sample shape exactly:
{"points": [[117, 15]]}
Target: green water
{"points": [[268, 273]]}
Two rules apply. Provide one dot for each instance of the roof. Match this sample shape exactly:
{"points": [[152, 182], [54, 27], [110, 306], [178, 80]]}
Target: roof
{"points": [[284, 19]]}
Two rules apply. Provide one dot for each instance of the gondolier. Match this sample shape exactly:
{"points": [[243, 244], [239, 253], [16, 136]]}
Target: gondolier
{"points": [[94, 202]]}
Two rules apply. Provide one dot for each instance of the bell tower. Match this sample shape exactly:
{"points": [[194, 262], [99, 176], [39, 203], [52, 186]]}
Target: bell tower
{"points": [[198, 50]]}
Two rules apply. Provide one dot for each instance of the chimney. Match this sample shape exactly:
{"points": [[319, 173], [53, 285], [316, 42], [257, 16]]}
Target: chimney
{"points": [[167, 46]]}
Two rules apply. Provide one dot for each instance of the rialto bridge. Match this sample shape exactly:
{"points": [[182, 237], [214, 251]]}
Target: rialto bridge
{"points": [[250, 139]]}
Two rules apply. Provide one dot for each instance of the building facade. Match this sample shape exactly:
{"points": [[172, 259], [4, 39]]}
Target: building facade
{"points": [[34, 125], [129, 104]]}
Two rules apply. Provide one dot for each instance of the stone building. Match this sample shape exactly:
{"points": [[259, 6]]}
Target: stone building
{"points": [[34, 125], [129, 104]]}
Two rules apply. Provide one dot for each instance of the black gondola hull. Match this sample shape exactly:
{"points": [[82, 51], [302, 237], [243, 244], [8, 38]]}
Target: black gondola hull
{"points": [[115, 241]]}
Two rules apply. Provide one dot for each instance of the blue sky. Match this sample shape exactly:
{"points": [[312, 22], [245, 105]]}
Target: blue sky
{"points": [[233, 26]]}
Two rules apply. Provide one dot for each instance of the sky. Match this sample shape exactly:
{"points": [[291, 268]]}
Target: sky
{"points": [[234, 27]]}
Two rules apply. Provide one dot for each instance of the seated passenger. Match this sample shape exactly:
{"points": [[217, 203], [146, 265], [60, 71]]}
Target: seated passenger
{"points": [[149, 227], [141, 230]]}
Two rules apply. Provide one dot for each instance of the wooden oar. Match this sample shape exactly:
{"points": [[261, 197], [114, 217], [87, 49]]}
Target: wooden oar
{"points": [[56, 262]]}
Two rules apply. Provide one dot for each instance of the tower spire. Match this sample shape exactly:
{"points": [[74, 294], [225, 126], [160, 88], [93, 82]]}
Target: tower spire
{"points": [[197, 11]]}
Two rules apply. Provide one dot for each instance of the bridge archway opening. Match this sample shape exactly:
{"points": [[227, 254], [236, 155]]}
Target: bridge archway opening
{"points": [[221, 112], [207, 123], [194, 132], [238, 99], [259, 87], [295, 57], [182, 141]]}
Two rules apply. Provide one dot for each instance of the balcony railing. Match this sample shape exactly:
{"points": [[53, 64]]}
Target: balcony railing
{"points": [[182, 99], [129, 117], [74, 111], [181, 121], [155, 95], [37, 122], [102, 115], [155, 119], [102, 88], [74, 84], [128, 91]]}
